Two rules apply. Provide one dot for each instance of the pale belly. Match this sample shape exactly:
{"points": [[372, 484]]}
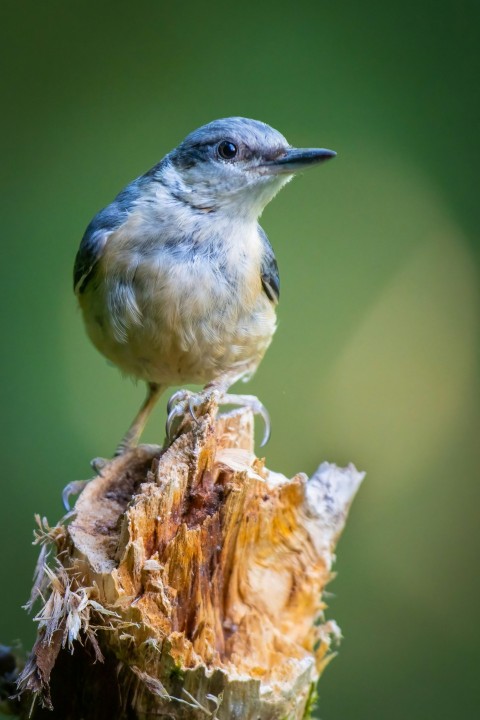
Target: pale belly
{"points": [[187, 329]]}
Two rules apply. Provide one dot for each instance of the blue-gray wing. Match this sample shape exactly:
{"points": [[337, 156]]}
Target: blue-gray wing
{"points": [[103, 224], [269, 270], [88, 255]]}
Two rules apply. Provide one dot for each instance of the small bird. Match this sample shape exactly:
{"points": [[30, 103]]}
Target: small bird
{"points": [[176, 279]]}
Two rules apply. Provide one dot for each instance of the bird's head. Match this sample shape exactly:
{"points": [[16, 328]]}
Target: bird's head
{"points": [[235, 165]]}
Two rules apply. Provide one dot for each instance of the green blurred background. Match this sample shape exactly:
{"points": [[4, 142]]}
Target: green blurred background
{"points": [[376, 355]]}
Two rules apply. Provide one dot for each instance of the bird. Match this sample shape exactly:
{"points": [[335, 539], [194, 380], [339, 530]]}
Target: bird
{"points": [[177, 281]]}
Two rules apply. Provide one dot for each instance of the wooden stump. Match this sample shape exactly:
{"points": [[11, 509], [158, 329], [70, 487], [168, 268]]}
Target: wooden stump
{"points": [[187, 583]]}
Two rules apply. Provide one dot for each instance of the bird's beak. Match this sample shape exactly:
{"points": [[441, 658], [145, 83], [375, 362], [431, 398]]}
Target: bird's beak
{"points": [[298, 159]]}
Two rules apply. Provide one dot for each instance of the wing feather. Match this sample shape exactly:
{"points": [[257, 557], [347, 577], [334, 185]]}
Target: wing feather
{"points": [[103, 224], [269, 270]]}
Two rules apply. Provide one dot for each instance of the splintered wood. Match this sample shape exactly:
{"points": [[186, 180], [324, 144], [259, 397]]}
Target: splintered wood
{"points": [[199, 577]]}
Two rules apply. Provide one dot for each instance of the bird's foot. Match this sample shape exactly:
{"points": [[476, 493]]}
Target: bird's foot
{"points": [[184, 402], [181, 403], [73, 488], [257, 408], [99, 464]]}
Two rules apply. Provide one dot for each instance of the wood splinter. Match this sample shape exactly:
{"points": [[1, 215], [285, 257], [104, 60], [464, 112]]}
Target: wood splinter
{"points": [[187, 584]]}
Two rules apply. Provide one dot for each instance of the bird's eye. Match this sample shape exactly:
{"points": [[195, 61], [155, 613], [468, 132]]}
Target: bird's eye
{"points": [[227, 150]]}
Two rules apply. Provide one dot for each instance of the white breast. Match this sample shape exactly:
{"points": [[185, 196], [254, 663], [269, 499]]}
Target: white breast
{"points": [[184, 313]]}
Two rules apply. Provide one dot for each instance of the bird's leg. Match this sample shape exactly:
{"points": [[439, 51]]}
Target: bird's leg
{"points": [[135, 430], [129, 441], [132, 436]]}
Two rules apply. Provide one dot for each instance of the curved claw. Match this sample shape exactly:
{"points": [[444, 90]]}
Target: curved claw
{"points": [[191, 408], [180, 402], [177, 397], [173, 414], [268, 426], [259, 408], [256, 407], [73, 488]]}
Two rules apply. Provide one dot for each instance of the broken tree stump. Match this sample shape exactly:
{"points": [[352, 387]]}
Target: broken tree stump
{"points": [[187, 583]]}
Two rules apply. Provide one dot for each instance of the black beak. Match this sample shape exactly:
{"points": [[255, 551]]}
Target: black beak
{"points": [[298, 159]]}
